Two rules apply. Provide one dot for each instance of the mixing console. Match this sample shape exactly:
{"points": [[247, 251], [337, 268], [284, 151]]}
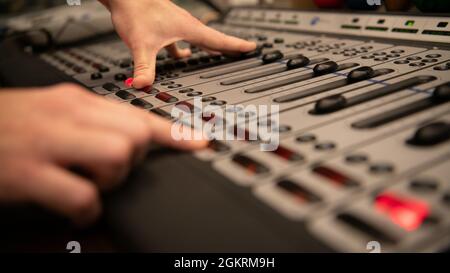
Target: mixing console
{"points": [[363, 123]]}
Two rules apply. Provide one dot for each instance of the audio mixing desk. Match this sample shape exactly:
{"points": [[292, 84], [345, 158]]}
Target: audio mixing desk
{"points": [[363, 124]]}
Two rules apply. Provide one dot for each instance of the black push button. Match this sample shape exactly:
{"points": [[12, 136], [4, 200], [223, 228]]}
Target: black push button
{"points": [[356, 158], [185, 90], [446, 198], [297, 62], [161, 112], [167, 83], [424, 185], [169, 66], [208, 99], [125, 95], [431, 134], [250, 165], [111, 87], [96, 76], [306, 138], [141, 103], [442, 92], [192, 61], [218, 102], [194, 94], [330, 104], [325, 146], [360, 74], [381, 168], [125, 64], [366, 228], [78, 69], [278, 40], [218, 146], [205, 59], [261, 38], [120, 77], [283, 128], [272, 57], [180, 64], [252, 54], [299, 192], [103, 68], [325, 68]]}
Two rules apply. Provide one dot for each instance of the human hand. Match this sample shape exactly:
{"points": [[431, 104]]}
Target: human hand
{"points": [[147, 26], [45, 133]]}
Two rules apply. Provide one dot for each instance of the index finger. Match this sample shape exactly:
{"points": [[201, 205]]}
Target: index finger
{"points": [[205, 36]]}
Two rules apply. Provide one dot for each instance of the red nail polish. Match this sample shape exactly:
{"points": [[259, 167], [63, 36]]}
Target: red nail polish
{"points": [[129, 82]]}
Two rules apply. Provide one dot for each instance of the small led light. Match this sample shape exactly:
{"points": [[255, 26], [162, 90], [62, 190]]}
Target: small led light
{"points": [[409, 23], [129, 82]]}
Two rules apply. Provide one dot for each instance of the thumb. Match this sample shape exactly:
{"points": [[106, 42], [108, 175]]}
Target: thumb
{"points": [[144, 66]]}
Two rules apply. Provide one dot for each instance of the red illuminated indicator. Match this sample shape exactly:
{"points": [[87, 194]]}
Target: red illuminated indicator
{"points": [[335, 176], [129, 82], [287, 154], [405, 212], [208, 116], [186, 106]]}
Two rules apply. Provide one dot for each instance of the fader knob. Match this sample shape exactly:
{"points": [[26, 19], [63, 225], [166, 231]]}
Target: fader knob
{"points": [[360, 74], [251, 54], [330, 104], [325, 68], [431, 134], [272, 57], [120, 77], [297, 62], [442, 92], [96, 76]]}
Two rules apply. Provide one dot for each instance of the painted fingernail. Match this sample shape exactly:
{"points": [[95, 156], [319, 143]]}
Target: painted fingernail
{"points": [[129, 82]]}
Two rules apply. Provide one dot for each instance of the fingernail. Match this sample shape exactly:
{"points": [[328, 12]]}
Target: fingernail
{"points": [[129, 82]]}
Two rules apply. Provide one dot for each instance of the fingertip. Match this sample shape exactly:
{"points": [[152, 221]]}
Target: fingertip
{"points": [[199, 140], [87, 207], [197, 144], [185, 53], [248, 46], [142, 81]]}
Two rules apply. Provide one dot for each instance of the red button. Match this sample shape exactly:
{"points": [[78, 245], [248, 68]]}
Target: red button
{"points": [[406, 212], [165, 97], [337, 177], [186, 107], [287, 154]]}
